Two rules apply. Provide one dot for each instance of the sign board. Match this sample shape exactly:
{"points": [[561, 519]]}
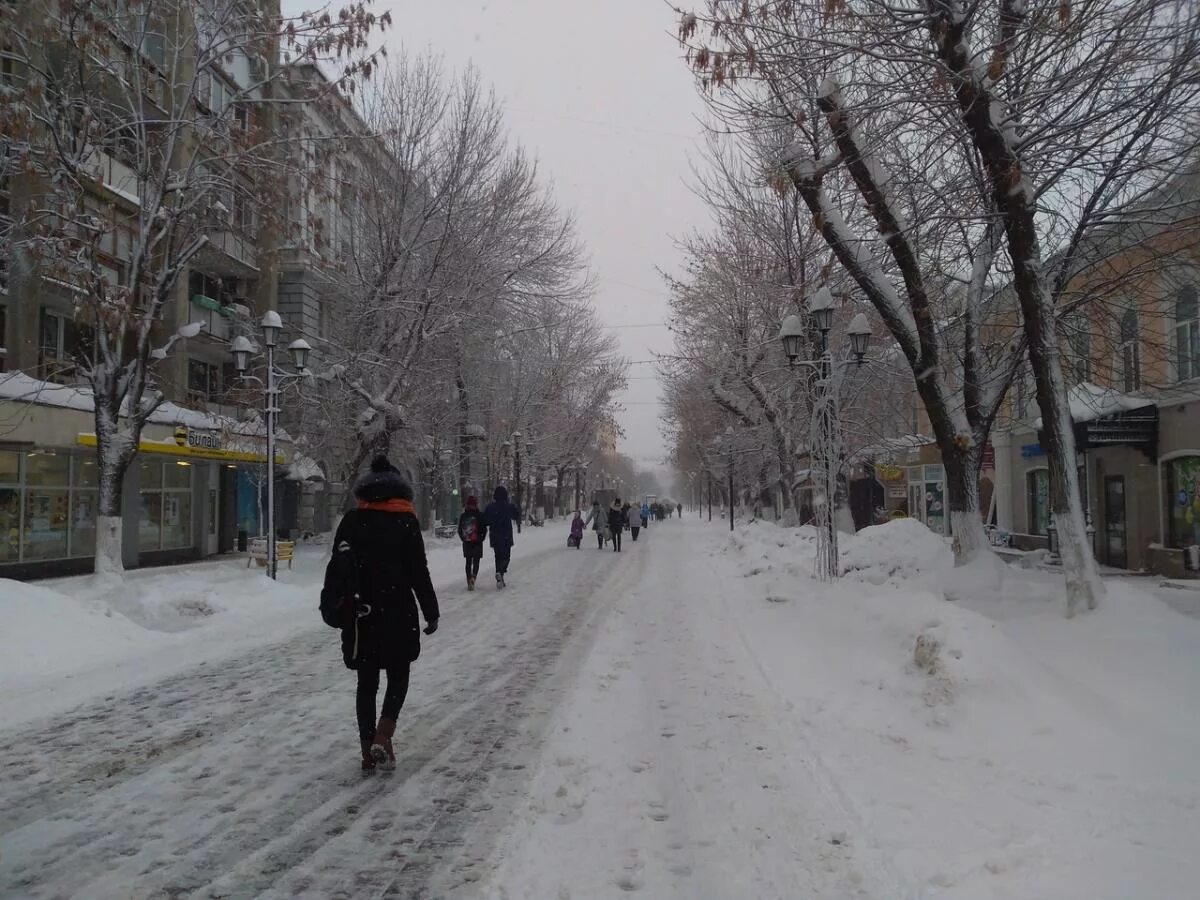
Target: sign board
{"points": [[191, 450], [889, 472], [989, 456], [1031, 450], [897, 493]]}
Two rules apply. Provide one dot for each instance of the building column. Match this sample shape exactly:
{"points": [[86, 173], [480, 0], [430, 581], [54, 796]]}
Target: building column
{"points": [[1002, 489]]}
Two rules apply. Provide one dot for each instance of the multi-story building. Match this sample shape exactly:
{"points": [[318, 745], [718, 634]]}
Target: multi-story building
{"points": [[197, 480], [1131, 351]]}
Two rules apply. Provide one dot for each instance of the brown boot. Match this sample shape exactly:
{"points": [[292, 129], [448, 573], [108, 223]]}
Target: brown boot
{"points": [[368, 761], [381, 747]]}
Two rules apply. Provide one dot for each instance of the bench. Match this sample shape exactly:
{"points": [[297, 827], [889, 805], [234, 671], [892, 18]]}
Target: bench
{"points": [[284, 550]]}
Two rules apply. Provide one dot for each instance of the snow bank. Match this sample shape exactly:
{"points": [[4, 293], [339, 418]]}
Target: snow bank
{"points": [[1040, 756]]}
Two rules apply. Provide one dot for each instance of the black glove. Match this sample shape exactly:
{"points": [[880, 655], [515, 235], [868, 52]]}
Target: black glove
{"points": [[431, 626]]}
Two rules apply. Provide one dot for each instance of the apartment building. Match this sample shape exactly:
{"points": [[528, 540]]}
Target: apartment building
{"points": [[198, 480]]}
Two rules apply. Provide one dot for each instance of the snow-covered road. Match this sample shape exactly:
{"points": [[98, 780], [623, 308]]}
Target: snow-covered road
{"points": [[240, 779], [694, 718]]}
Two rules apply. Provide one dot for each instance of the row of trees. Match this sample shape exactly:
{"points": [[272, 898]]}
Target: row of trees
{"points": [[137, 136], [954, 168]]}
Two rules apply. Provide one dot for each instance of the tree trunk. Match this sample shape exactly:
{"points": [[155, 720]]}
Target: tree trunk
{"points": [[113, 456], [962, 503]]}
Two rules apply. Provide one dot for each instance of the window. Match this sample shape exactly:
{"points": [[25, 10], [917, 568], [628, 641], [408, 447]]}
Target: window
{"points": [[1187, 333], [1183, 500], [204, 382], [1038, 491], [1131, 356], [61, 341], [165, 522], [47, 506], [1076, 330]]}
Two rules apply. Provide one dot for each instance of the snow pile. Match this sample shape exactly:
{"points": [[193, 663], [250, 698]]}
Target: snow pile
{"points": [[896, 553], [1040, 756]]}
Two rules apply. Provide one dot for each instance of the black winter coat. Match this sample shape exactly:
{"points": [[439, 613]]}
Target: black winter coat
{"points": [[616, 519], [393, 576], [500, 515]]}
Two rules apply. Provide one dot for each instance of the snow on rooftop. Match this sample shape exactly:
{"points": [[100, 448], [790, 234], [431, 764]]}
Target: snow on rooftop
{"points": [[1090, 402], [19, 387]]}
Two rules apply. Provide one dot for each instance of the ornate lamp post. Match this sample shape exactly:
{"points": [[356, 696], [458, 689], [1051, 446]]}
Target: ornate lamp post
{"points": [[791, 336], [242, 349]]}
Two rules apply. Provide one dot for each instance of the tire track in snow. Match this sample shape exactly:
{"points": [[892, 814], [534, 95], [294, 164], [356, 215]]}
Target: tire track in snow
{"points": [[212, 828]]}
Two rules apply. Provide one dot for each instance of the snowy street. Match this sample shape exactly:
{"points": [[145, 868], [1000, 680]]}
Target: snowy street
{"points": [[694, 718]]}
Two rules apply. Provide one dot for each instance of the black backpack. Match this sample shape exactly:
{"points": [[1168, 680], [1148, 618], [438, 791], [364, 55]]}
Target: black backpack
{"points": [[340, 593]]}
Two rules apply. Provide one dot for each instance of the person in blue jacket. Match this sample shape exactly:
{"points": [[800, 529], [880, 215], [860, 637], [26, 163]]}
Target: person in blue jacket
{"points": [[499, 517], [645, 514]]}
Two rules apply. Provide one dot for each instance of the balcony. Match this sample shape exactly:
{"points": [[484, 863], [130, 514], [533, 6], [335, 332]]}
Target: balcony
{"points": [[116, 176], [229, 253], [216, 318]]}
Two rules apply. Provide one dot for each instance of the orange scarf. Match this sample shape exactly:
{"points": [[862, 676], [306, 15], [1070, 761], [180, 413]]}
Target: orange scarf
{"points": [[395, 505]]}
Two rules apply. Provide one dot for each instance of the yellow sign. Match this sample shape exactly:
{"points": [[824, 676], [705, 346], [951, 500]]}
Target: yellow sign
{"points": [[174, 448], [888, 472]]}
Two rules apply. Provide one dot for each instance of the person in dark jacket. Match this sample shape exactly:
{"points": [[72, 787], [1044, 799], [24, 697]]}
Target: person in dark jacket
{"points": [[616, 522], [499, 516], [597, 518], [472, 529], [381, 630]]}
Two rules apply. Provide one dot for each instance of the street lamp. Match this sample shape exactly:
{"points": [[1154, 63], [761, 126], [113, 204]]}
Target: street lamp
{"points": [[517, 475], [241, 348], [791, 333], [729, 445]]}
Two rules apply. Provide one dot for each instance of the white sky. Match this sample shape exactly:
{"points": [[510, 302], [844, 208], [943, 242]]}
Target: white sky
{"points": [[597, 90]]}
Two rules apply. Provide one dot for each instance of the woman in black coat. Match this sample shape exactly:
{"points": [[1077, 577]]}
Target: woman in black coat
{"points": [[377, 569]]}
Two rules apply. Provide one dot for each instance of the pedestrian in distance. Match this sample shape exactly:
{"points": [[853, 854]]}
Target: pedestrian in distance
{"points": [[499, 517], [616, 523], [633, 517], [575, 538], [472, 529], [645, 514], [679, 509], [598, 519], [376, 577]]}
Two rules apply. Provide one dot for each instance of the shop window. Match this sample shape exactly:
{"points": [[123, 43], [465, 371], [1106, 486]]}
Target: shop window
{"points": [[1183, 493], [1131, 355], [1038, 492], [10, 506], [47, 506], [1187, 333], [165, 521]]}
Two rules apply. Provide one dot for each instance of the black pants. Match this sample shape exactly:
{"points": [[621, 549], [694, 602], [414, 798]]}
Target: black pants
{"points": [[634, 529], [503, 554], [599, 540], [393, 698], [616, 540], [472, 566]]}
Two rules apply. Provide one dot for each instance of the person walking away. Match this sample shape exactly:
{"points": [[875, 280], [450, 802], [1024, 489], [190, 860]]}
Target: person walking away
{"points": [[576, 536], [616, 522], [499, 517], [645, 514], [597, 519], [679, 509], [376, 570], [633, 517], [472, 529]]}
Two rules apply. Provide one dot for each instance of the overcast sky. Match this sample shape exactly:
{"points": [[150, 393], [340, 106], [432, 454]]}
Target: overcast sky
{"points": [[598, 92]]}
